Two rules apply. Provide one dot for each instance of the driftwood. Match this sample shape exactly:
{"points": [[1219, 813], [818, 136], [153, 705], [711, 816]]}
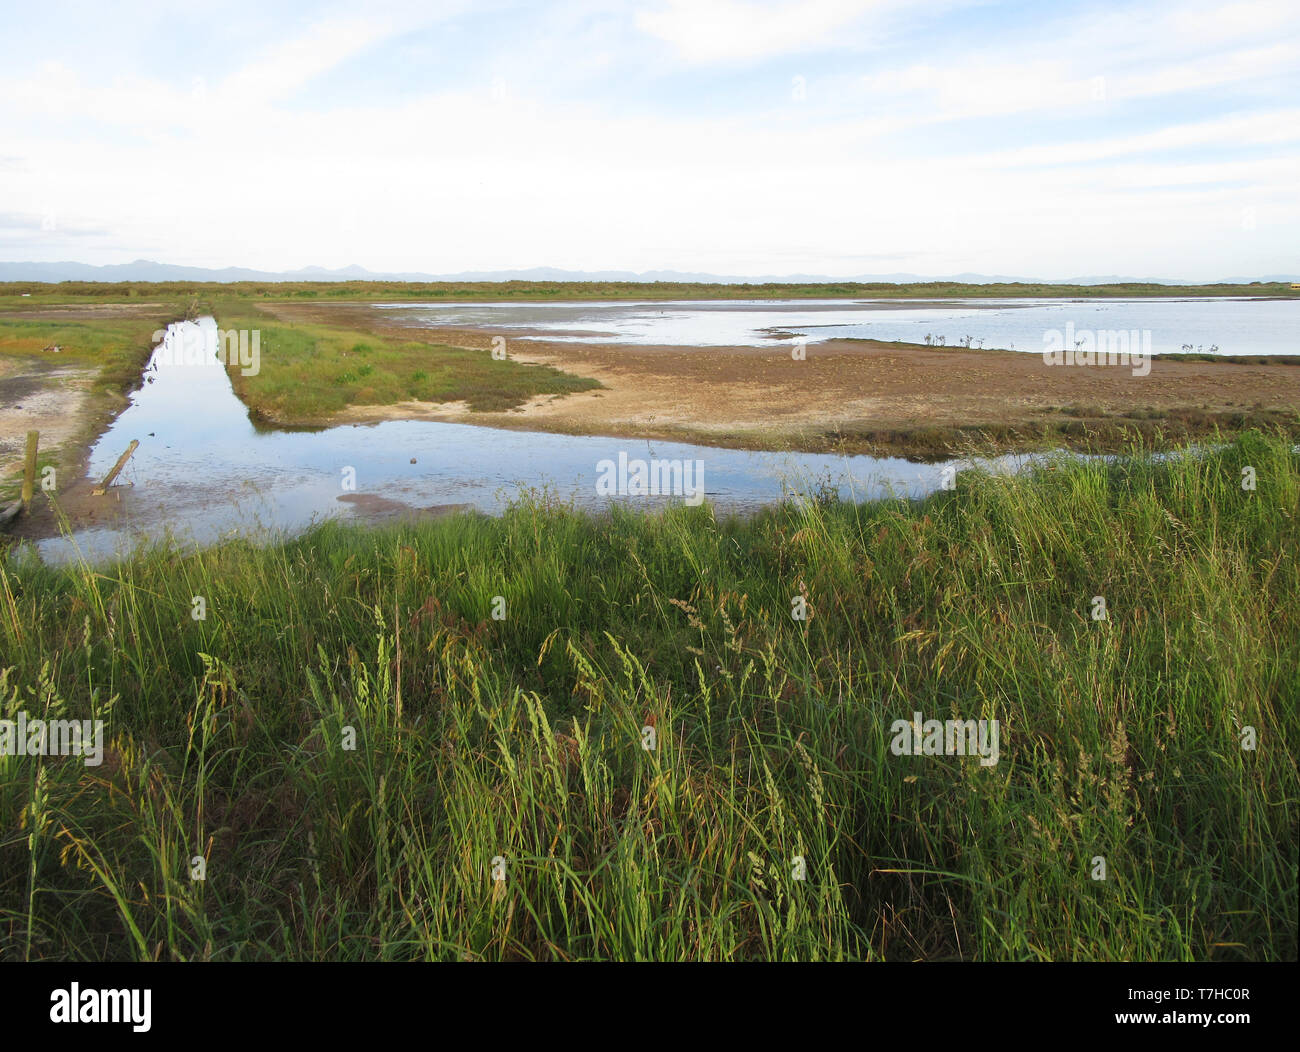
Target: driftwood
{"points": [[7, 515], [102, 488]]}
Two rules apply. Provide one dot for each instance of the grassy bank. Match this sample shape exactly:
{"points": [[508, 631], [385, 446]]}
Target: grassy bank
{"points": [[1081, 428], [517, 743], [310, 372], [117, 348], [108, 355], [451, 291]]}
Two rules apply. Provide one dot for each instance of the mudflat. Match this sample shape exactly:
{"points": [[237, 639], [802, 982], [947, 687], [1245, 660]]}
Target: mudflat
{"points": [[851, 395], [39, 396]]}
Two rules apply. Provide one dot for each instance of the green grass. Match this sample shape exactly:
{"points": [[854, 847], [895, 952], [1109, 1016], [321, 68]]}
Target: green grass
{"points": [[521, 738], [1082, 428], [310, 372], [11, 292], [118, 347]]}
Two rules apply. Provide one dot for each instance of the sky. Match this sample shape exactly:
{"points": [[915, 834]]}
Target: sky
{"points": [[1043, 140]]}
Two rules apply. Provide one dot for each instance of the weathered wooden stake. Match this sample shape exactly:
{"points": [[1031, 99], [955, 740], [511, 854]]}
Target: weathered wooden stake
{"points": [[29, 469], [102, 488]]}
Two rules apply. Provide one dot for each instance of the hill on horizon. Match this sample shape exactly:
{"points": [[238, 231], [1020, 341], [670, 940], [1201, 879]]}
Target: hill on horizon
{"points": [[150, 270]]}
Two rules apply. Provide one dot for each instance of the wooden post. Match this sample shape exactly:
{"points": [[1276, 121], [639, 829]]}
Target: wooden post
{"points": [[102, 488], [29, 469]]}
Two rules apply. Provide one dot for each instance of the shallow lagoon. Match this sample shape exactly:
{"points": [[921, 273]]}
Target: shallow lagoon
{"points": [[1233, 325], [203, 471]]}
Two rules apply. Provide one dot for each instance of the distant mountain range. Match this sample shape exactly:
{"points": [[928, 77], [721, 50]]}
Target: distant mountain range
{"points": [[147, 270]]}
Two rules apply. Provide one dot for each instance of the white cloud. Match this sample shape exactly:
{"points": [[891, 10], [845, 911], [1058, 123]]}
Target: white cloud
{"points": [[257, 171], [1236, 130], [293, 64], [730, 30]]}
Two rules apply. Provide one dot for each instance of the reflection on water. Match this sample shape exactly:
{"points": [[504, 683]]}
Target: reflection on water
{"points": [[1233, 325], [203, 471]]}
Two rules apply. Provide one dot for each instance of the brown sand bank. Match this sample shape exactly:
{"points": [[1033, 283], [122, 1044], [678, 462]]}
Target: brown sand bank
{"points": [[854, 395]]}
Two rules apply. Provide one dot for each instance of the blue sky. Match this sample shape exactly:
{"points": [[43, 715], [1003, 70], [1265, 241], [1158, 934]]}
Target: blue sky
{"points": [[1045, 140]]}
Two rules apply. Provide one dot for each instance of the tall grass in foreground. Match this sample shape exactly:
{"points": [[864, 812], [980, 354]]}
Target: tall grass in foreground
{"points": [[518, 742]]}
